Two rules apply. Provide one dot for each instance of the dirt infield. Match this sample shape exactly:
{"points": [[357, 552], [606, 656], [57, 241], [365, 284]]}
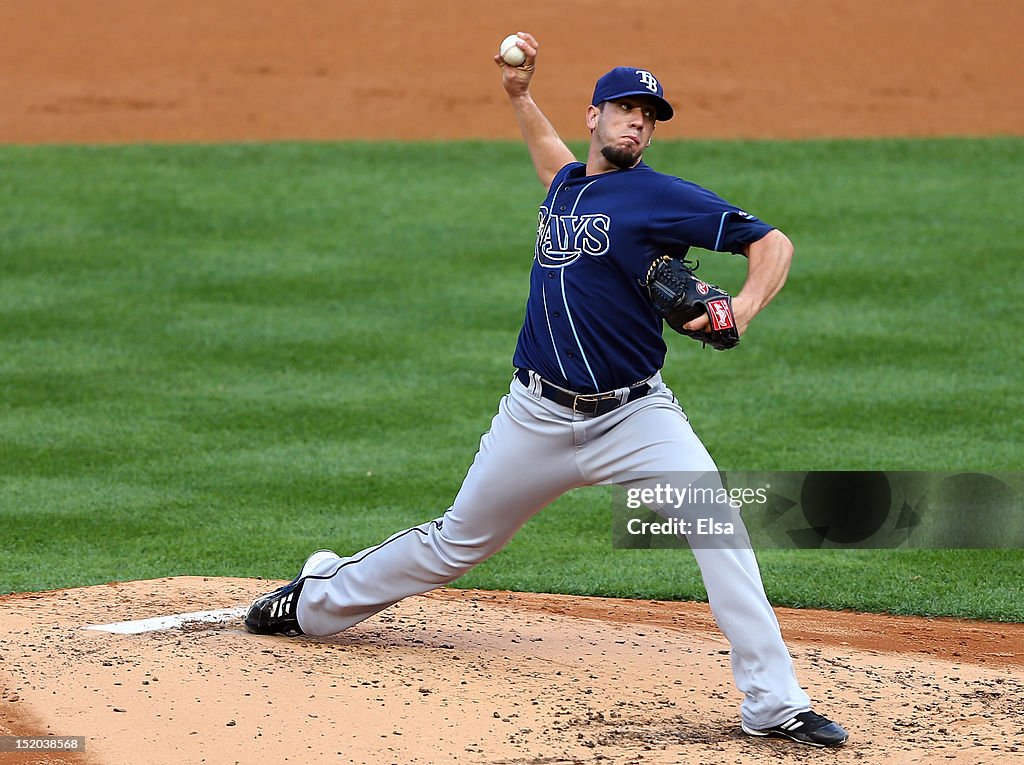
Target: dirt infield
{"points": [[484, 677], [462, 676], [139, 70]]}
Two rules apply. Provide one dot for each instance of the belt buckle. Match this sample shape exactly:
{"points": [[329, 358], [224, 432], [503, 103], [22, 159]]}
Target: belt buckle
{"points": [[592, 399]]}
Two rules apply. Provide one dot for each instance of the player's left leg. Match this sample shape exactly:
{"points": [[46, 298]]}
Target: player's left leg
{"points": [[651, 442]]}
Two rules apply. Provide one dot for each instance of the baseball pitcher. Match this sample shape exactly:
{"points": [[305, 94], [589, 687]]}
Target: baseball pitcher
{"points": [[587, 404]]}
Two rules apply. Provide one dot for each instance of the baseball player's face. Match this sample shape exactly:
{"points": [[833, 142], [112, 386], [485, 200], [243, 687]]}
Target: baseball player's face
{"points": [[623, 129]]}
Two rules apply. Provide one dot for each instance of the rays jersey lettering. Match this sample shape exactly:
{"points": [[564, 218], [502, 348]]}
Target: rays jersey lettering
{"points": [[589, 325], [564, 239]]}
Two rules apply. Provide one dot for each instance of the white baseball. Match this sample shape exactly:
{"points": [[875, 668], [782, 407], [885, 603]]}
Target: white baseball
{"points": [[510, 53]]}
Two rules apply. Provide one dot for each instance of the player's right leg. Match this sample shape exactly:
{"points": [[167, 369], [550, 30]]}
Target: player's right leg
{"points": [[525, 461]]}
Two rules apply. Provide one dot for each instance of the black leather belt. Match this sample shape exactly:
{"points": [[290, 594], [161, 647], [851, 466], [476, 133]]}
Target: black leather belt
{"points": [[584, 403]]}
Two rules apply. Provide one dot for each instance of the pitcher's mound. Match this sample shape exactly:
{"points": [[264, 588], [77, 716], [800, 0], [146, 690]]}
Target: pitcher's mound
{"points": [[481, 677]]}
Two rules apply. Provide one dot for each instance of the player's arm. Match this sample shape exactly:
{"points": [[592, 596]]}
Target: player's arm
{"points": [[768, 261], [547, 150]]}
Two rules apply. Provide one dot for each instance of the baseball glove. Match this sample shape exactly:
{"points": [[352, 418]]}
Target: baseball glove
{"points": [[679, 296]]}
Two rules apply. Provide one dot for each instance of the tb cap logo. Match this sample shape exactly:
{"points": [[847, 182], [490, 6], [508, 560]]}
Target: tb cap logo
{"points": [[647, 80]]}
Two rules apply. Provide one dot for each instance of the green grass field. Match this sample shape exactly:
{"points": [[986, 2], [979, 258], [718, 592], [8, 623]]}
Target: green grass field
{"points": [[214, 359]]}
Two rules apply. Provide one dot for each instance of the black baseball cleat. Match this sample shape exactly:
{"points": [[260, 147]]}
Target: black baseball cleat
{"points": [[806, 728], [275, 612]]}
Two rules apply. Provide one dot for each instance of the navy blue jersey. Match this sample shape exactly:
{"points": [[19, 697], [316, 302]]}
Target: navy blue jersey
{"points": [[589, 323]]}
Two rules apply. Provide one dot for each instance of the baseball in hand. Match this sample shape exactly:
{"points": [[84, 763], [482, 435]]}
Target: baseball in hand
{"points": [[510, 53]]}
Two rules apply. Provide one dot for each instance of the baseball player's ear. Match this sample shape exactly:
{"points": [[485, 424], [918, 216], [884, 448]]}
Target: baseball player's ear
{"points": [[592, 114]]}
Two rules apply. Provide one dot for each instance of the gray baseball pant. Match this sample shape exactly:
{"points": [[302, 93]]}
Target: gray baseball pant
{"points": [[534, 452]]}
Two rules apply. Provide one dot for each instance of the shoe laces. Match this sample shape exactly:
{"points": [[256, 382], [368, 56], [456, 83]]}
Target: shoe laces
{"points": [[812, 719]]}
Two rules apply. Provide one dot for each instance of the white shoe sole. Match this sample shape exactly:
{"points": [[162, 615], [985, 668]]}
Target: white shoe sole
{"points": [[314, 561], [762, 733]]}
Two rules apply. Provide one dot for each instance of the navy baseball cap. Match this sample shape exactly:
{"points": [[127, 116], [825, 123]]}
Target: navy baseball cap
{"points": [[625, 81]]}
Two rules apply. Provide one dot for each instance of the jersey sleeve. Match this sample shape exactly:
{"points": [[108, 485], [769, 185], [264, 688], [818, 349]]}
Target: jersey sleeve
{"points": [[687, 215]]}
